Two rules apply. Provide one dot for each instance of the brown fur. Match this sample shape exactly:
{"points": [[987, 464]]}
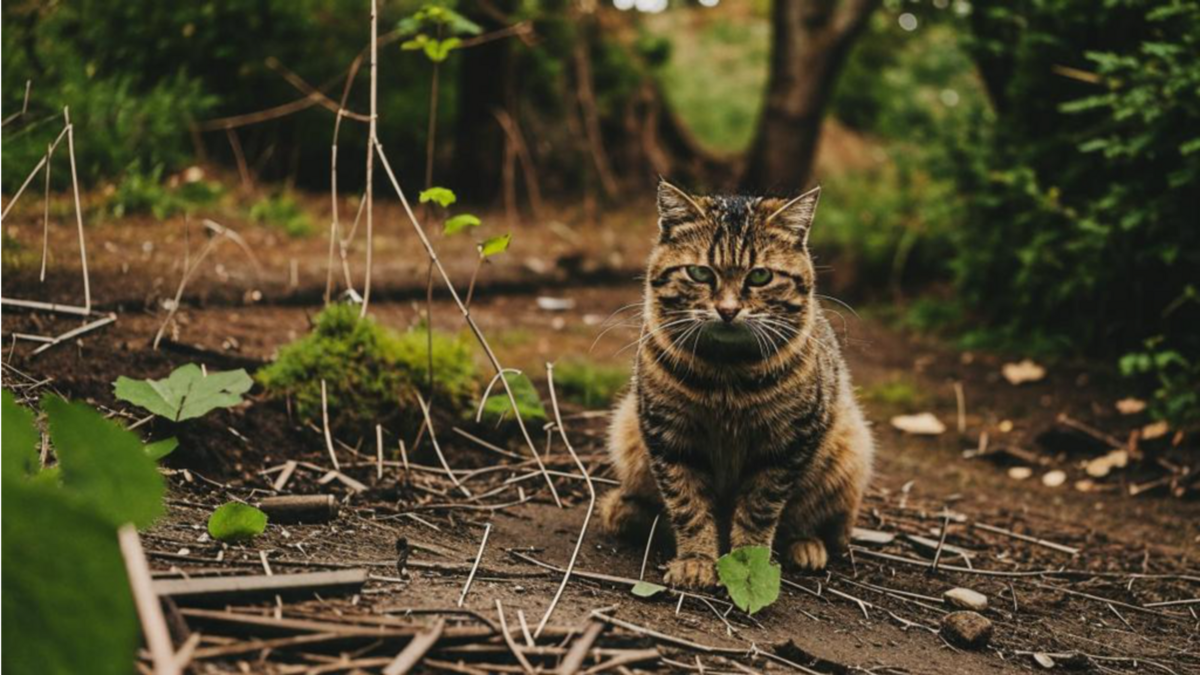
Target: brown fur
{"points": [[741, 424]]}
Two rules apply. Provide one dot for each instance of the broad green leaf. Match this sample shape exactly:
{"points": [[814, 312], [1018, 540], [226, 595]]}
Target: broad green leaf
{"points": [[441, 196], [414, 44], [750, 577], [529, 404], [186, 393], [646, 589], [104, 464], [20, 438], [67, 607], [459, 223], [495, 245], [438, 51], [235, 521], [159, 449]]}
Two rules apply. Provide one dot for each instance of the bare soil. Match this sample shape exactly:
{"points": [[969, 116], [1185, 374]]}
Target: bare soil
{"points": [[877, 609]]}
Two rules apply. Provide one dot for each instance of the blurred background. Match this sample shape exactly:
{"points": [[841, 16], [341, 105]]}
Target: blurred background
{"points": [[1011, 176]]}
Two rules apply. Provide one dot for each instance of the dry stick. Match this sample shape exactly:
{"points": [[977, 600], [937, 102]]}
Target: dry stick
{"points": [[87, 287], [462, 597], [183, 657], [306, 88], [474, 276], [36, 168], [325, 427], [591, 500], [416, 649], [154, 626], [646, 554], [379, 452], [937, 554], [532, 186], [46, 306], [187, 276], [240, 158], [475, 330], [1118, 603], [85, 328], [437, 448], [24, 106], [961, 399], [372, 140], [512, 644], [580, 648], [46, 217], [335, 225], [487, 391], [1069, 550]]}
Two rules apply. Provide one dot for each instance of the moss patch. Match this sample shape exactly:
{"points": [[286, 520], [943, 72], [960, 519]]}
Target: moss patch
{"points": [[589, 384]]}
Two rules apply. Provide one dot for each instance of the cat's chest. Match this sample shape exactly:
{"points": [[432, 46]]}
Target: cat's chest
{"points": [[732, 442]]}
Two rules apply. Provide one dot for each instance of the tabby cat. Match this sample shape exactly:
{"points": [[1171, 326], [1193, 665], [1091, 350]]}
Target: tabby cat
{"points": [[741, 422]]}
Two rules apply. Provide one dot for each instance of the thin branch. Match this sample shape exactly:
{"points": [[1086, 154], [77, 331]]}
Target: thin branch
{"points": [[87, 287], [508, 639], [372, 139], [325, 427], [462, 597], [437, 448], [154, 626]]}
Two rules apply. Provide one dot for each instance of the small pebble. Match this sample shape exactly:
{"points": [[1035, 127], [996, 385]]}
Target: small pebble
{"points": [[968, 630], [1054, 478], [965, 598], [1020, 472]]}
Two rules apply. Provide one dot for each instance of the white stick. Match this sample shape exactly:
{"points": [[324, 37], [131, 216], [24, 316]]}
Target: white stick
{"points": [[438, 448], [85, 328], [87, 287], [325, 425], [154, 626], [379, 452], [462, 597], [371, 141]]}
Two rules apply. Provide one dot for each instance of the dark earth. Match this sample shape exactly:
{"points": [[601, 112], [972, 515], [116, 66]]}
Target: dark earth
{"points": [[1135, 532]]}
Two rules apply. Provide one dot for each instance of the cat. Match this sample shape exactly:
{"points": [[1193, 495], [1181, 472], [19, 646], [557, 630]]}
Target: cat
{"points": [[740, 424]]}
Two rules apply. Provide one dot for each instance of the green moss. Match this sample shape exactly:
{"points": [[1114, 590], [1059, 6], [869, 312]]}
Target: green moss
{"points": [[283, 211], [893, 392], [589, 384], [372, 374]]}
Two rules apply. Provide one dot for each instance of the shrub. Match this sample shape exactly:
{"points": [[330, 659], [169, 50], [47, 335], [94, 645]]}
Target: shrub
{"points": [[283, 211], [589, 384], [144, 192], [372, 374]]}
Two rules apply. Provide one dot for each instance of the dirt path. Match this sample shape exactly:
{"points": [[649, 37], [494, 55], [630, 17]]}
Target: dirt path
{"points": [[877, 610]]}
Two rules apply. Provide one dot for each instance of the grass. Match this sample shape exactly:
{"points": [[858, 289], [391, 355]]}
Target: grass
{"points": [[897, 392], [589, 384], [283, 211]]}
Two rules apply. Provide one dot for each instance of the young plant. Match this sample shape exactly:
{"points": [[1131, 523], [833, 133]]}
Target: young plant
{"points": [[750, 577], [186, 393], [487, 248], [236, 522]]}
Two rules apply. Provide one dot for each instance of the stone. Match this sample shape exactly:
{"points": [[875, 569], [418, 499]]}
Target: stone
{"points": [[965, 598], [969, 630]]}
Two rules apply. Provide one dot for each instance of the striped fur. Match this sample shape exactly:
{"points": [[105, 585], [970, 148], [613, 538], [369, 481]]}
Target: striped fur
{"points": [[754, 439]]}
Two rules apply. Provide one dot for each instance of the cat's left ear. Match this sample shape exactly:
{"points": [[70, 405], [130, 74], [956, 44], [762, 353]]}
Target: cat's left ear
{"points": [[797, 215]]}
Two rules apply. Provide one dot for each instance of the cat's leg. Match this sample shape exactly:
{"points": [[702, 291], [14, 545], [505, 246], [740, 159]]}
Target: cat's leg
{"points": [[630, 509], [760, 503], [687, 492]]}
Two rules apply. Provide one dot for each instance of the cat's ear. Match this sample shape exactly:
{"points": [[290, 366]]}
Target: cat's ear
{"points": [[675, 208], [797, 215]]}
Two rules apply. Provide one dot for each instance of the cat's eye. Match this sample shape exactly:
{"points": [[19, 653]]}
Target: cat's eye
{"points": [[759, 276], [701, 274]]}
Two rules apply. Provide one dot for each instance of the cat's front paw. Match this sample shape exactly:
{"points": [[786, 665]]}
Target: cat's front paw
{"points": [[807, 555], [693, 573]]}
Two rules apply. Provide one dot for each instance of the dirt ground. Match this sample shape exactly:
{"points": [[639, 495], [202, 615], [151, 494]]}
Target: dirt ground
{"points": [[1074, 590]]}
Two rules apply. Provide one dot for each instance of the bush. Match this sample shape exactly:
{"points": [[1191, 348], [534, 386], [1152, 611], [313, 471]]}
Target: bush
{"points": [[283, 211], [589, 384], [372, 374], [145, 192]]}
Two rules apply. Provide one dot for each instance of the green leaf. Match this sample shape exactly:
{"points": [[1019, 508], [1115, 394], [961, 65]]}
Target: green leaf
{"points": [[750, 577], [438, 51], [20, 438], [441, 196], [159, 449], [529, 404], [495, 245], [460, 222], [646, 589], [415, 44], [186, 393], [104, 464], [235, 521], [67, 607]]}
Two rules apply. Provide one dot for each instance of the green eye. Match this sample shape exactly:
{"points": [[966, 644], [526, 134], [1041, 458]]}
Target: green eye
{"points": [[700, 274], [759, 276]]}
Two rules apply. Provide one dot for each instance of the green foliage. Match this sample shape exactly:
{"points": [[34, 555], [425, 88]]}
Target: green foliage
{"points": [[589, 384], [441, 20], [529, 402], [441, 196], [894, 392], [144, 192], [1174, 378], [20, 438], [160, 449], [104, 464], [236, 522], [186, 393], [67, 605], [282, 210], [646, 589], [461, 222], [494, 245], [372, 373], [750, 577]]}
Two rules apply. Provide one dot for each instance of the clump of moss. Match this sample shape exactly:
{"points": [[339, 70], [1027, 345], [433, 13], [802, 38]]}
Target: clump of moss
{"points": [[589, 384], [372, 373]]}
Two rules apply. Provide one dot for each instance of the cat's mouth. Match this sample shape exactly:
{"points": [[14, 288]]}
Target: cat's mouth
{"points": [[729, 341]]}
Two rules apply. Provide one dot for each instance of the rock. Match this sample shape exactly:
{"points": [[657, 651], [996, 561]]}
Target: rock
{"points": [[969, 630], [1023, 371], [1054, 478], [1044, 660], [965, 598], [921, 424], [1020, 472]]}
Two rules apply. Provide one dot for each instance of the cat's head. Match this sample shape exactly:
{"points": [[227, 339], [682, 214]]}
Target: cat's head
{"points": [[731, 276]]}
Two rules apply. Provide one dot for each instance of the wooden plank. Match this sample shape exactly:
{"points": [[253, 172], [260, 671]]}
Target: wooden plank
{"points": [[224, 590]]}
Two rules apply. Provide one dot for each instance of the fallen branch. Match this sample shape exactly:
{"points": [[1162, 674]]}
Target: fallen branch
{"points": [[416, 649], [154, 626], [462, 597]]}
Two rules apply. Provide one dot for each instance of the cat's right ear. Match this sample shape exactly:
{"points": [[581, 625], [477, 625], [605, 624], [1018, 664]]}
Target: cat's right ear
{"points": [[675, 208]]}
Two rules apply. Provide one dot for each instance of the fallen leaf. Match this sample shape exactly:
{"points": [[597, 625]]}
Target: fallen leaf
{"points": [[1022, 372], [1054, 478], [1044, 660], [921, 424], [646, 589], [1130, 406], [1155, 430], [1020, 472]]}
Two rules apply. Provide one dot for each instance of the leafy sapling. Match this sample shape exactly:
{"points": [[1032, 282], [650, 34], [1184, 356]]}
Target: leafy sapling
{"points": [[750, 577], [188, 392], [487, 248]]}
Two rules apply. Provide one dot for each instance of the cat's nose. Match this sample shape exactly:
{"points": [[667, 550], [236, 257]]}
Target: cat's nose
{"points": [[728, 310]]}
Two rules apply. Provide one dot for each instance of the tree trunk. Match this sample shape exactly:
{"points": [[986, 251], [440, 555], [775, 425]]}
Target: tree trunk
{"points": [[809, 43]]}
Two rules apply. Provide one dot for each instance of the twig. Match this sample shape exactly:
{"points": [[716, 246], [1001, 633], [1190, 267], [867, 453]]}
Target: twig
{"points": [[1069, 550], [580, 648], [1118, 603], [478, 557], [587, 518], [87, 287], [154, 626], [475, 330], [85, 328], [46, 217], [937, 554], [646, 554], [36, 167], [379, 452], [508, 639], [437, 448], [487, 391], [961, 399], [325, 427], [416, 649], [24, 106], [372, 139]]}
